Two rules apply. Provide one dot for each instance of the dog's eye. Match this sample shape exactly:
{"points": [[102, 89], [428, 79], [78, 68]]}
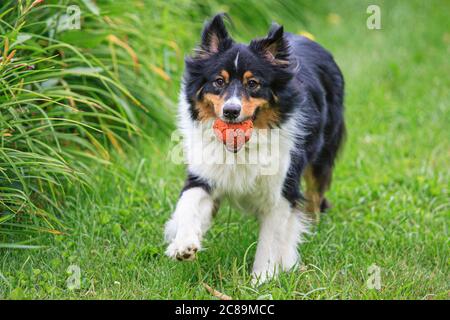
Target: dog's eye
{"points": [[219, 82], [252, 84]]}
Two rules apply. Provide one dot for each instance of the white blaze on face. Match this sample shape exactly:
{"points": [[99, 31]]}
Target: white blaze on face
{"points": [[236, 61], [233, 100]]}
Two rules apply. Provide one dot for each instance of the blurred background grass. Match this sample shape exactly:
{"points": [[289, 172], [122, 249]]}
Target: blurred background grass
{"points": [[85, 120]]}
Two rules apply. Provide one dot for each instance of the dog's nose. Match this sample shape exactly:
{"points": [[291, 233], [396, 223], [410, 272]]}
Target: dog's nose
{"points": [[231, 111]]}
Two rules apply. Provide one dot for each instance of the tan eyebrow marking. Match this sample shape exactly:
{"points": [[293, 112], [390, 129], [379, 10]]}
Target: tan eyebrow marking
{"points": [[225, 75], [248, 75]]}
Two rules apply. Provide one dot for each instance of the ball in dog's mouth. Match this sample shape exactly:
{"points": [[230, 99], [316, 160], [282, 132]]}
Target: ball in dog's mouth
{"points": [[233, 135]]}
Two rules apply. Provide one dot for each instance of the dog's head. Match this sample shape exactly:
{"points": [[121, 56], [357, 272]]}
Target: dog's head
{"points": [[237, 82]]}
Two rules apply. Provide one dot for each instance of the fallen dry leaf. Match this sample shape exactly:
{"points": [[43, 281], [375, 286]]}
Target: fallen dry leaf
{"points": [[216, 293]]}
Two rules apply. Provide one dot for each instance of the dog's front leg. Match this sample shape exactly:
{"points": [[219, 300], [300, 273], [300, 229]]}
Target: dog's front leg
{"points": [[189, 222], [280, 230]]}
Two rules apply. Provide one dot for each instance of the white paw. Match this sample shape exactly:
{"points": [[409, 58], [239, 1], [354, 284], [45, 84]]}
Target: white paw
{"points": [[261, 277], [183, 249], [290, 262]]}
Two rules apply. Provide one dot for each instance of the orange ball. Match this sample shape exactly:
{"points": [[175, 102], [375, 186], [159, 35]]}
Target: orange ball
{"points": [[233, 135]]}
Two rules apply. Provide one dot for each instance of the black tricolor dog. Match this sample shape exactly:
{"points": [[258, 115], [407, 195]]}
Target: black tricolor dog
{"points": [[292, 91]]}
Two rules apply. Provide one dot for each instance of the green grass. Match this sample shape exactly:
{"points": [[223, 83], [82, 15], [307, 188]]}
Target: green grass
{"points": [[390, 190], [61, 107]]}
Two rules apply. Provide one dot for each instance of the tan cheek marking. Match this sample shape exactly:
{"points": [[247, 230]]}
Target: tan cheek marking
{"points": [[216, 101], [225, 75], [205, 111], [209, 107], [249, 105], [267, 117]]}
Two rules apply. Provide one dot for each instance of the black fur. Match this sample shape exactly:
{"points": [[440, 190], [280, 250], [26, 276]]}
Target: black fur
{"points": [[194, 181], [297, 76], [321, 94]]}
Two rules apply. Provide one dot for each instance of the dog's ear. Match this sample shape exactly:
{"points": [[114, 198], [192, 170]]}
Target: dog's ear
{"points": [[215, 36], [274, 48]]}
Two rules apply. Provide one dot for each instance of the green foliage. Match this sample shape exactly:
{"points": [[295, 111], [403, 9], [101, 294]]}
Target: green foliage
{"points": [[390, 192], [60, 108]]}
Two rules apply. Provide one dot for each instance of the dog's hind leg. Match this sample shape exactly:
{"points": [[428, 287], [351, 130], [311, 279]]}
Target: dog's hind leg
{"points": [[191, 219], [317, 180], [318, 174]]}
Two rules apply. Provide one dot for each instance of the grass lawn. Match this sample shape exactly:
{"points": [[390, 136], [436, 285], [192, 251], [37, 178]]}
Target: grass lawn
{"points": [[390, 191]]}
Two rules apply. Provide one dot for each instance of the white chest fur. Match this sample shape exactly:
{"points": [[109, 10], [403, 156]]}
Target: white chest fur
{"points": [[251, 179]]}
